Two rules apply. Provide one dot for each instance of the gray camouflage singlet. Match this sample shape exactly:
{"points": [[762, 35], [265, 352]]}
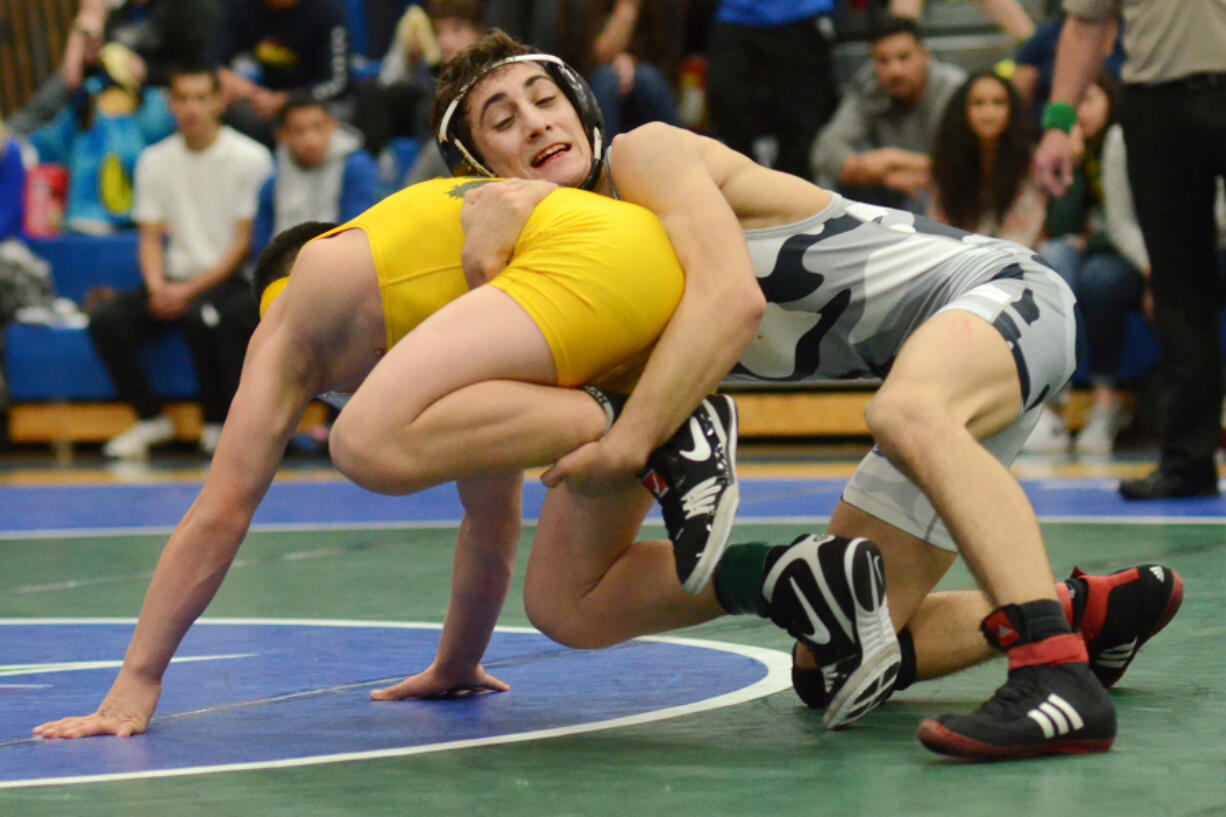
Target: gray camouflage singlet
{"points": [[847, 286]]}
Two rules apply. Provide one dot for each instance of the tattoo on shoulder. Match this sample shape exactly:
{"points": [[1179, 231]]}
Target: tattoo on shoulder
{"points": [[460, 189]]}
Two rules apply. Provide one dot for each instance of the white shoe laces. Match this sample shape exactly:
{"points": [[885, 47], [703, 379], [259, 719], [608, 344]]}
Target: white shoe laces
{"points": [[701, 498]]}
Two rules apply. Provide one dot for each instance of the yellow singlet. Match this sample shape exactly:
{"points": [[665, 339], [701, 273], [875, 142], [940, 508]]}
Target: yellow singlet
{"points": [[598, 276]]}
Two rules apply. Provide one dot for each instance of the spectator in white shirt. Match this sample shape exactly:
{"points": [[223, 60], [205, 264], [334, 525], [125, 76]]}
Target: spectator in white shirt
{"points": [[195, 202]]}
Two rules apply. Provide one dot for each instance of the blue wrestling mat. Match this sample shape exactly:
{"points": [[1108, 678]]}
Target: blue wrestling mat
{"points": [[245, 694], [63, 510]]}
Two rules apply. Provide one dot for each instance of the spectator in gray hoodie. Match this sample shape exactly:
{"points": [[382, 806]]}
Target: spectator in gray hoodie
{"points": [[321, 172]]}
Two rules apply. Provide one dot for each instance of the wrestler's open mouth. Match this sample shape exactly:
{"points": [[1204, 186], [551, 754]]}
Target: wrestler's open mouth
{"points": [[549, 153]]}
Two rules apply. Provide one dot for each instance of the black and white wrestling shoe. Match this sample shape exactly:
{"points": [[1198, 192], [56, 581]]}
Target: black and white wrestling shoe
{"points": [[693, 476], [829, 592]]}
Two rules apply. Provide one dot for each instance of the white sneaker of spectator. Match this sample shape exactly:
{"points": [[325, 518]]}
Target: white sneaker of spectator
{"points": [[1098, 436], [134, 443], [1050, 435], [210, 433]]}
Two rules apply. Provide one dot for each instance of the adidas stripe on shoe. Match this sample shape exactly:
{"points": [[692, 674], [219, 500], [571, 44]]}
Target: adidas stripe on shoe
{"points": [[1056, 717], [1040, 710], [1118, 613]]}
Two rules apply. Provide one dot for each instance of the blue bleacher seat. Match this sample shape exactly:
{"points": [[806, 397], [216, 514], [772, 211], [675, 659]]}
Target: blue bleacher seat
{"points": [[45, 363], [81, 262]]}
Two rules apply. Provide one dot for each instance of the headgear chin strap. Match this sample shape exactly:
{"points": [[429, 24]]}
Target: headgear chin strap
{"points": [[463, 161]]}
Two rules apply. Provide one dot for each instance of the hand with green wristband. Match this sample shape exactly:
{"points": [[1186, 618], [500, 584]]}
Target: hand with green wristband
{"points": [[1059, 115], [1054, 157]]}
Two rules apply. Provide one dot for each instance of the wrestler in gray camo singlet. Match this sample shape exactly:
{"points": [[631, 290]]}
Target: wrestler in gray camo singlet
{"points": [[847, 286]]}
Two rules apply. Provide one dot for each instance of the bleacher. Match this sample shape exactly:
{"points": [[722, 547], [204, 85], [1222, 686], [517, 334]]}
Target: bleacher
{"points": [[60, 394], [59, 391]]}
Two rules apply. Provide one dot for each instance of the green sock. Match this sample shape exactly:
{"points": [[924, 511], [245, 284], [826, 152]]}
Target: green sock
{"points": [[739, 577]]}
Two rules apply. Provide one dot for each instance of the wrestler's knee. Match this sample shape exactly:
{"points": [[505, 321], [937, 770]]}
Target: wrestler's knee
{"points": [[548, 616], [380, 456], [345, 450], [904, 422], [559, 618], [355, 451]]}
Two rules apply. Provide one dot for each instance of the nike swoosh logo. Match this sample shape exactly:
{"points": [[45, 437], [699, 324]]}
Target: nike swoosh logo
{"points": [[702, 449], [820, 634]]}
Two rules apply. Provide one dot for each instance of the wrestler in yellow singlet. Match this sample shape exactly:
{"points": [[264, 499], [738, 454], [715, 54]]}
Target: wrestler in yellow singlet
{"points": [[597, 276]]}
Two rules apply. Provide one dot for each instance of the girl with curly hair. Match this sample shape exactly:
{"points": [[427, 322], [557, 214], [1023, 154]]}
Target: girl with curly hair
{"points": [[981, 163]]}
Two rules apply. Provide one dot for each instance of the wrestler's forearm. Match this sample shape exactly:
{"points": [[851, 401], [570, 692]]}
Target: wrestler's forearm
{"points": [[480, 580], [271, 397], [670, 173], [199, 553], [187, 577], [493, 216], [481, 568], [715, 320], [703, 341]]}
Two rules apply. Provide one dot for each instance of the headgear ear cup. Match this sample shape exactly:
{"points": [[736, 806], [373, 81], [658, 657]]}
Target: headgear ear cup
{"points": [[463, 160], [580, 95]]}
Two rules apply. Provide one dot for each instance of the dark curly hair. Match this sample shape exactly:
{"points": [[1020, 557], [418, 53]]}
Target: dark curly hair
{"points": [[465, 68], [957, 166]]}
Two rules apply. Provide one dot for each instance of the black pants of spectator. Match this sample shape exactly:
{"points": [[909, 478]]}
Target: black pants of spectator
{"points": [[770, 81], [217, 326], [1176, 137]]}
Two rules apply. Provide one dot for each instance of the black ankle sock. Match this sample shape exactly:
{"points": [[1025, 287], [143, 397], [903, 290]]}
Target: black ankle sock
{"points": [[611, 401], [1016, 624], [1044, 618], [906, 671]]}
